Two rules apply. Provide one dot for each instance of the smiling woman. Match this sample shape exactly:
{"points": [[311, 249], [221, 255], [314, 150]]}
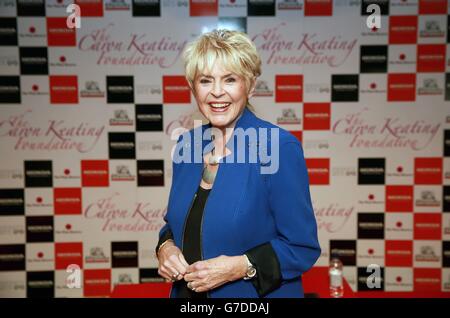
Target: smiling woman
{"points": [[231, 230]]}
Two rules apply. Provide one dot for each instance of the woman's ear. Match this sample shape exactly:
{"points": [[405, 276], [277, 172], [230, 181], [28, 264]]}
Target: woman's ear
{"points": [[251, 91], [191, 86]]}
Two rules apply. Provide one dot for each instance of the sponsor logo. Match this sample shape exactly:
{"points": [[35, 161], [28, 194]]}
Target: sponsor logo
{"points": [[344, 88], [316, 116], [262, 89], [124, 254], [149, 118], [91, 89], [288, 117], [120, 89], [432, 30], [289, 88], [116, 5], [403, 29], [12, 202], [428, 199], [96, 255], [430, 87], [176, 90], [121, 118], [373, 59], [122, 173], [318, 171], [290, 5], [401, 87], [345, 250], [150, 172], [370, 225], [399, 198], [427, 254]]}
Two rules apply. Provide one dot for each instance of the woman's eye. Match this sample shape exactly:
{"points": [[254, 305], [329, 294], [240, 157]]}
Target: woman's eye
{"points": [[204, 81], [230, 80]]}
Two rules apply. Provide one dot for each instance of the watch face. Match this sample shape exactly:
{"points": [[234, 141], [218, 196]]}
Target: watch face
{"points": [[251, 272]]}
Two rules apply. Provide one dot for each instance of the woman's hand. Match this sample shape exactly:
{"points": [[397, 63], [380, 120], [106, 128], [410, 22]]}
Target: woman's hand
{"points": [[172, 264], [206, 275]]}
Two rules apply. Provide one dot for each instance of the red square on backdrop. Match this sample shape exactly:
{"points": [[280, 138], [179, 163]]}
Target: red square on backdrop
{"points": [[90, 8], [401, 87], [298, 134], [176, 90], [318, 7], [432, 6], [58, 34], [399, 198], [67, 254], [94, 173], [63, 89], [431, 58], [318, 171], [428, 170], [316, 116], [427, 279], [97, 282], [67, 201], [427, 226], [201, 8], [288, 88], [403, 29], [398, 253]]}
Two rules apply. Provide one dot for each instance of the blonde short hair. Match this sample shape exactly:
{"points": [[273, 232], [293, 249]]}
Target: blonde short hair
{"points": [[234, 49]]}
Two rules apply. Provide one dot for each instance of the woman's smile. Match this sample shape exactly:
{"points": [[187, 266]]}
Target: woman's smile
{"points": [[219, 107]]}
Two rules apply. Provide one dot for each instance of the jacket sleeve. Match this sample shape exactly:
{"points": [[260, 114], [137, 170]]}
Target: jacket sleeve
{"points": [[296, 247], [166, 233]]}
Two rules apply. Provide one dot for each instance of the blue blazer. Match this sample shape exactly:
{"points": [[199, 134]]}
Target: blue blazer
{"points": [[246, 208]]}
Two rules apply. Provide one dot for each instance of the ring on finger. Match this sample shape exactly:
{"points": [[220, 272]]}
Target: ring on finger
{"points": [[174, 276]]}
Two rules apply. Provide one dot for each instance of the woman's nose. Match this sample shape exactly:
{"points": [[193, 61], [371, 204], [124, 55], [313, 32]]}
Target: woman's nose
{"points": [[217, 89]]}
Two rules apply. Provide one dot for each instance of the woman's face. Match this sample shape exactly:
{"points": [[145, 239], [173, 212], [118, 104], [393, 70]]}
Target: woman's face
{"points": [[221, 96]]}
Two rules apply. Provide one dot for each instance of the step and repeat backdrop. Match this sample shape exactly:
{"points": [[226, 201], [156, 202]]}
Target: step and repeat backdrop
{"points": [[86, 117]]}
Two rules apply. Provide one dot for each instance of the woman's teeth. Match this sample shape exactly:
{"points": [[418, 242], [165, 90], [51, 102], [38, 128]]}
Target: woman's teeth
{"points": [[219, 105]]}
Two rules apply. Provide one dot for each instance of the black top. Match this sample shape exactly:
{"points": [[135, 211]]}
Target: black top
{"points": [[192, 239]]}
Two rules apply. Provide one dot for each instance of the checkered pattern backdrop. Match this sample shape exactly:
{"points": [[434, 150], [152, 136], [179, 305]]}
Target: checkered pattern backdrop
{"points": [[86, 117]]}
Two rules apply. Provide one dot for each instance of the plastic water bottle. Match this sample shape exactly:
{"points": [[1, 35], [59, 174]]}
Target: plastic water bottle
{"points": [[335, 272]]}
